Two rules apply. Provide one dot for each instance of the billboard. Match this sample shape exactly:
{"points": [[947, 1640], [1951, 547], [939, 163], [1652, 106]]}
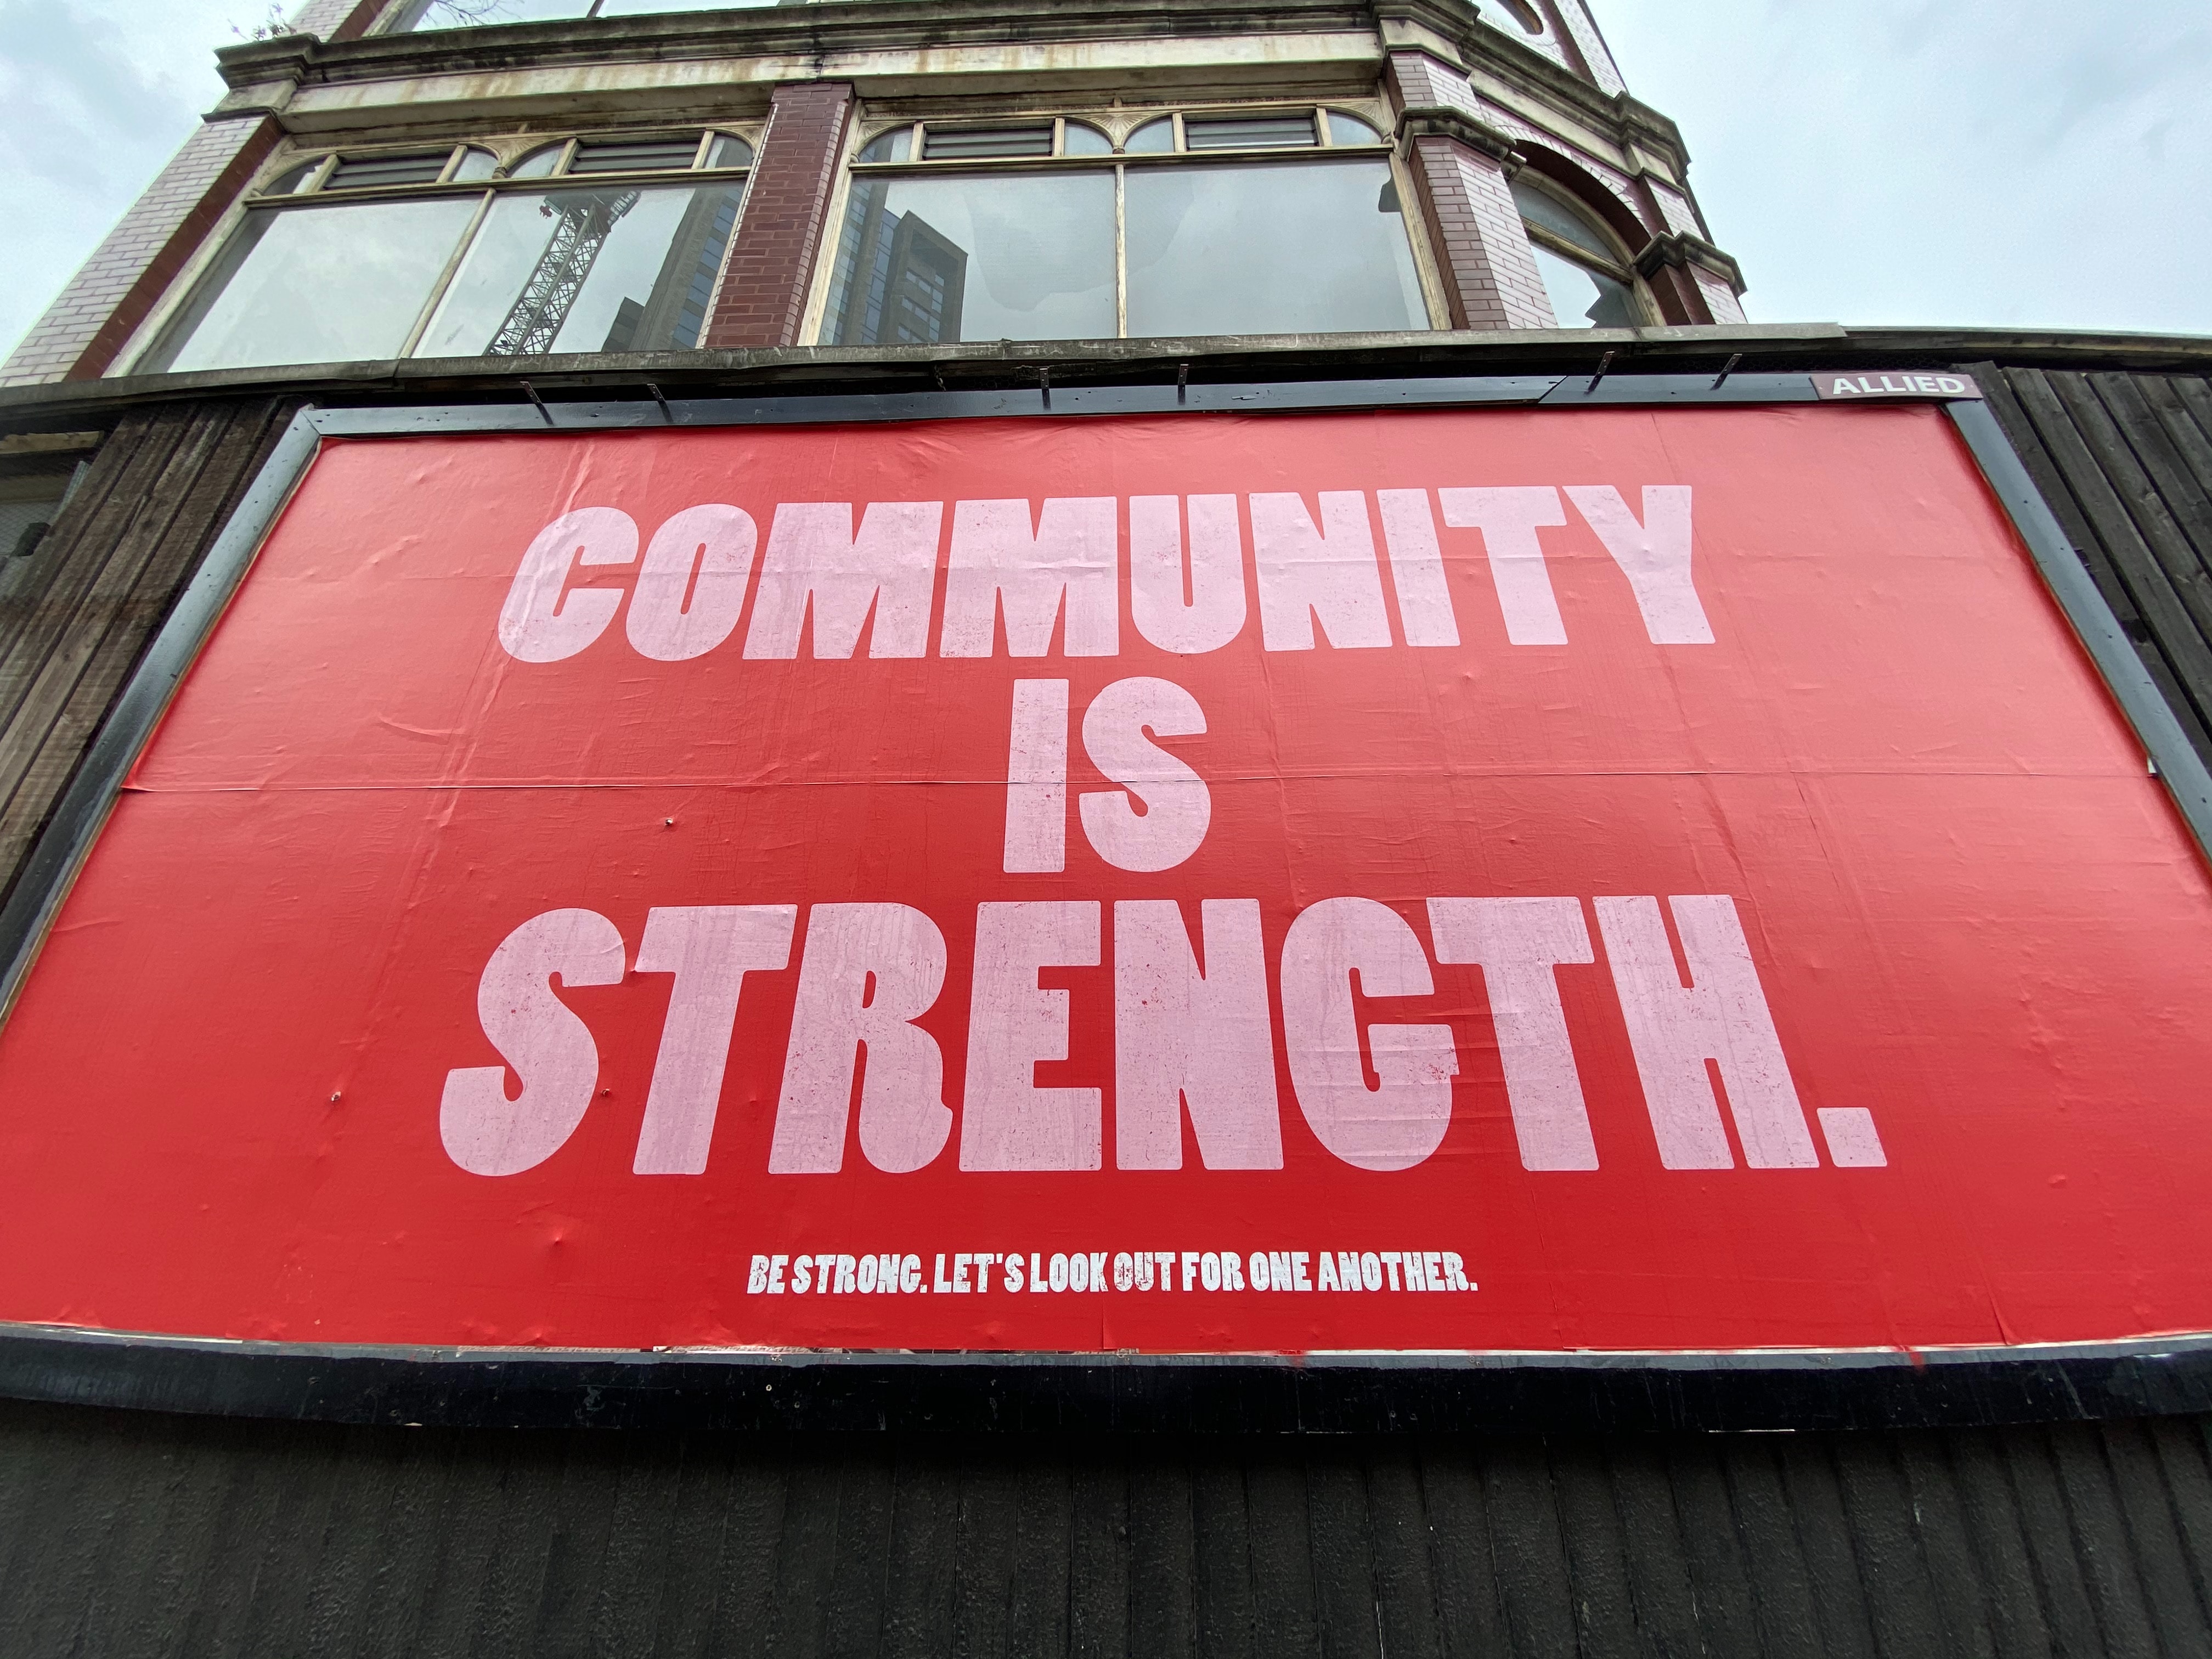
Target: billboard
{"points": [[1516, 880]]}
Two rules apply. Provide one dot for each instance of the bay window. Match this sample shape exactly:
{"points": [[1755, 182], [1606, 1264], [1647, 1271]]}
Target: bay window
{"points": [[579, 244], [1263, 220]]}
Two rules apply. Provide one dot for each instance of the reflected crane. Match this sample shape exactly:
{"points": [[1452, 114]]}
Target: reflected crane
{"points": [[584, 223]]}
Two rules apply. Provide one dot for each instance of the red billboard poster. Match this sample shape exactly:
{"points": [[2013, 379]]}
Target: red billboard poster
{"points": [[1416, 882]]}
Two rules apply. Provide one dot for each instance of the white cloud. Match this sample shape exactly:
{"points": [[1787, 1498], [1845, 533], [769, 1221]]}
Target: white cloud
{"points": [[95, 95], [2038, 163]]}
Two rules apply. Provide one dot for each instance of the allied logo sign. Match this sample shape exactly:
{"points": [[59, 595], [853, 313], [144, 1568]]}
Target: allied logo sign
{"points": [[1508, 880], [1894, 385]]}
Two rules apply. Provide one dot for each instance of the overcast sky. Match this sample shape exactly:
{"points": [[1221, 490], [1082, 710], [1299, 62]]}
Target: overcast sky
{"points": [[2045, 163]]}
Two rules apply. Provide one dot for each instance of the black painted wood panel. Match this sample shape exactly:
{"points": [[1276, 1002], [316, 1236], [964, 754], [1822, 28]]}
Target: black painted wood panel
{"points": [[157, 493], [2125, 462], [126, 1533]]}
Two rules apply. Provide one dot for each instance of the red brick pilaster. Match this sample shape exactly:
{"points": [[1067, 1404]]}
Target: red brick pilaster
{"points": [[761, 300], [1461, 170], [1694, 281], [338, 19]]}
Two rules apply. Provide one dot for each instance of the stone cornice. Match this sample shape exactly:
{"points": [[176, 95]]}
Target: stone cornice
{"points": [[801, 32], [1618, 116], [1682, 248], [1442, 121], [1640, 124], [258, 72]]}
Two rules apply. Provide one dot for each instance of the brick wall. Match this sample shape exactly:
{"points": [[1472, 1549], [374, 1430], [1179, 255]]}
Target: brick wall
{"points": [[1589, 46], [1488, 267], [336, 20], [1489, 271], [761, 298], [1719, 296], [116, 289], [1643, 206]]}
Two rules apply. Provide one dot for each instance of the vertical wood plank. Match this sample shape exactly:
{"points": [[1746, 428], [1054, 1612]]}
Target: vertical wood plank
{"points": [[1462, 1555]]}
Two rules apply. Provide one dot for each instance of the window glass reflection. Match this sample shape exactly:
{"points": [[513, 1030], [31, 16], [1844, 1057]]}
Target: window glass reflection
{"points": [[1316, 247], [316, 285], [1582, 298], [1541, 207], [1005, 257], [607, 270], [890, 146]]}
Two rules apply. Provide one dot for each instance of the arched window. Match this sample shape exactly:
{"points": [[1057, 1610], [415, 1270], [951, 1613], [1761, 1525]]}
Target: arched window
{"points": [[1590, 283], [583, 244], [1514, 16], [1253, 220]]}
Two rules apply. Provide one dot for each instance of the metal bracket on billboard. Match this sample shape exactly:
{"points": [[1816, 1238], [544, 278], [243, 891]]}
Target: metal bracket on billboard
{"points": [[76, 823], [2170, 751]]}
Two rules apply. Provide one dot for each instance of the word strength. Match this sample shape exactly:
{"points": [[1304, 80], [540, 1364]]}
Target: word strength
{"points": [[1080, 1273], [874, 567], [1189, 1043]]}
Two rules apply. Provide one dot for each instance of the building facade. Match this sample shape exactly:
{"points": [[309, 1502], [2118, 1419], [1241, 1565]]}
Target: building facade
{"points": [[423, 247], [874, 177]]}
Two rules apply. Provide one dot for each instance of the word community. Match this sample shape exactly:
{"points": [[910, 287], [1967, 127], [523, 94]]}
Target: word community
{"points": [[1057, 569], [1080, 1273]]}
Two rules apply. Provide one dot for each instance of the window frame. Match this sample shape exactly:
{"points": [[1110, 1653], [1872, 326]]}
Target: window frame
{"points": [[1120, 124], [1621, 269], [508, 151]]}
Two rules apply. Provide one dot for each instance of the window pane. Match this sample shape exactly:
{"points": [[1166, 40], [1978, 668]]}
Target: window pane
{"points": [[1513, 14], [1540, 208], [292, 182], [1297, 248], [1582, 298], [539, 163], [636, 156], [1351, 129], [1153, 139], [973, 143], [727, 151], [476, 164], [887, 146], [1247, 131], [1004, 257], [383, 172], [1087, 140], [317, 285], [609, 270]]}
